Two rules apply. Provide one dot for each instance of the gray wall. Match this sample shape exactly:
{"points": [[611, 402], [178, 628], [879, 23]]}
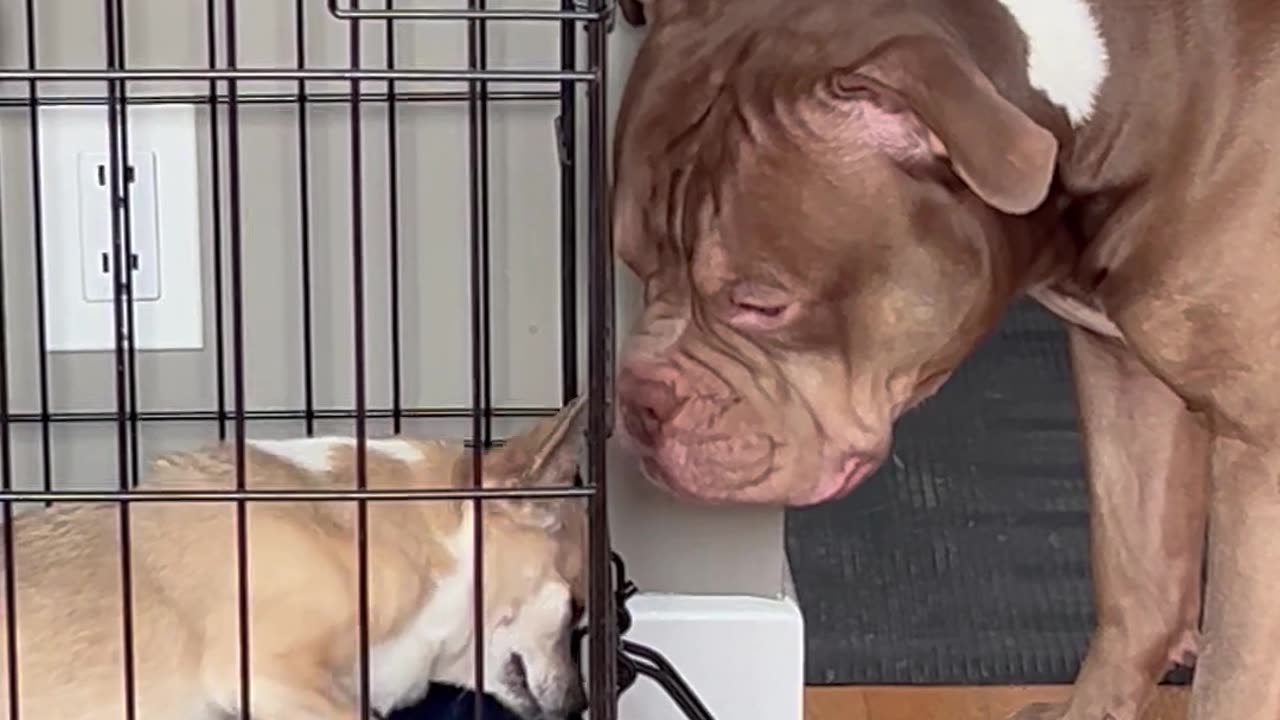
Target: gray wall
{"points": [[669, 547]]}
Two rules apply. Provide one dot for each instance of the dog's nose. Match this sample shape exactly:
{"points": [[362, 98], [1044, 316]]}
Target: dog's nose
{"points": [[656, 399], [646, 404]]}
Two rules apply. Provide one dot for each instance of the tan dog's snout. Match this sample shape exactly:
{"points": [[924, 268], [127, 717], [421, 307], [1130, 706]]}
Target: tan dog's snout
{"points": [[544, 682]]}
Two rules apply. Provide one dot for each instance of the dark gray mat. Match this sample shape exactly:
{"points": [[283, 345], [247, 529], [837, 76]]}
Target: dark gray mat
{"points": [[965, 559]]}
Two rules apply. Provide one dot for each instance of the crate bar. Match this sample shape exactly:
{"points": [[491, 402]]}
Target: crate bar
{"points": [[215, 190], [37, 240], [126, 222], [6, 486], [130, 497], [261, 98], [90, 416], [361, 400], [121, 284], [304, 220], [601, 614], [232, 74], [237, 360], [393, 224], [473, 11], [566, 138], [478, 167]]}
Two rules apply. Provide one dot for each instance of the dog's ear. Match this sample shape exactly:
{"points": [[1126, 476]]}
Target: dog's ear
{"points": [[546, 455], [919, 99]]}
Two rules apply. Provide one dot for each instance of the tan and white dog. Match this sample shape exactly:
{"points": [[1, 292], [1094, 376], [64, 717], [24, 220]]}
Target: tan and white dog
{"points": [[303, 586]]}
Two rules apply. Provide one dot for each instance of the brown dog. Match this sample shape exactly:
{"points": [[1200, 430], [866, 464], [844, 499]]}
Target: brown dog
{"points": [[303, 586], [831, 201]]}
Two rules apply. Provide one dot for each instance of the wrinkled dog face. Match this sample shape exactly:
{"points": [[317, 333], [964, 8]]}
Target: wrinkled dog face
{"points": [[816, 235]]}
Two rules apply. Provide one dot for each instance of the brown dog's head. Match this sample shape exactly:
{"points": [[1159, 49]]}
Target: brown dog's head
{"points": [[826, 214]]}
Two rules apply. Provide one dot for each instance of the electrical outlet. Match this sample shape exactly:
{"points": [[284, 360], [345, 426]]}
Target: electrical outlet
{"points": [[163, 262], [96, 246]]}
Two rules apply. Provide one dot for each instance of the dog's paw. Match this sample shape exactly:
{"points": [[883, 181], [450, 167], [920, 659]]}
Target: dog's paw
{"points": [[1041, 711]]}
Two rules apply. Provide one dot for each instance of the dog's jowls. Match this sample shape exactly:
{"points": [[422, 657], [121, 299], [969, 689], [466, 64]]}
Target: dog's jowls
{"points": [[303, 588]]}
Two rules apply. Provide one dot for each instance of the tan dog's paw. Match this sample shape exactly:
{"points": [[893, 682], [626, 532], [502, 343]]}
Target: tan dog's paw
{"points": [[1041, 711]]}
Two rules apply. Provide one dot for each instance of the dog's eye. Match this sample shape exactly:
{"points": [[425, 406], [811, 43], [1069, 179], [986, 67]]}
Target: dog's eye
{"points": [[768, 311], [754, 307]]}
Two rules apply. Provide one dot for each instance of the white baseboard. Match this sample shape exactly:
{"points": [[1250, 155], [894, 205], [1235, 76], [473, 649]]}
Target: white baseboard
{"points": [[743, 656]]}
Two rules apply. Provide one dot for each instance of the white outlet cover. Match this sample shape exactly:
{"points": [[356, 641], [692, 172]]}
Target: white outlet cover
{"points": [[167, 306], [96, 241]]}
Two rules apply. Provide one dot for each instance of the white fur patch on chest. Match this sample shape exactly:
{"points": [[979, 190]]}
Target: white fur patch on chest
{"points": [[315, 454], [403, 665], [1067, 56]]}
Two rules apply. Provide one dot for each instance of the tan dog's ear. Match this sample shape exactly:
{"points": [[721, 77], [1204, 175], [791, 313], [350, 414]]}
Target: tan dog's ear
{"points": [[919, 98], [546, 455]]}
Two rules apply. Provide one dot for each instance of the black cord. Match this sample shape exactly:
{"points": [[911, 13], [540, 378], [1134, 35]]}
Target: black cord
{"points": [[635, 659]]}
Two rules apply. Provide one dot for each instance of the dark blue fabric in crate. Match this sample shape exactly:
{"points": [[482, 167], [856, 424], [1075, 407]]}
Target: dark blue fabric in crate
{"points": [[449, 703]]}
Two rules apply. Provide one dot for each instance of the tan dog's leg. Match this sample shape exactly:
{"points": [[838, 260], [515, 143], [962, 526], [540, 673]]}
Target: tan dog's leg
{"points": [[1239, 671], [1148, 463]]}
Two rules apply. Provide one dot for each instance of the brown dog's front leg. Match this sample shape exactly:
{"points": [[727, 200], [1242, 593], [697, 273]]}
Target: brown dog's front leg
{"points": [[1239, 672], [1148, 468]]}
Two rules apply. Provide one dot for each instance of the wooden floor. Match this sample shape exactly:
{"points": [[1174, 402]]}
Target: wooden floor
{"points": [[970, 703]]}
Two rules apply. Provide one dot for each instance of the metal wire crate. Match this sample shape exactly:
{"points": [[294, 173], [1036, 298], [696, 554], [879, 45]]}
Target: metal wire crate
{"points": [[327, 86]]}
